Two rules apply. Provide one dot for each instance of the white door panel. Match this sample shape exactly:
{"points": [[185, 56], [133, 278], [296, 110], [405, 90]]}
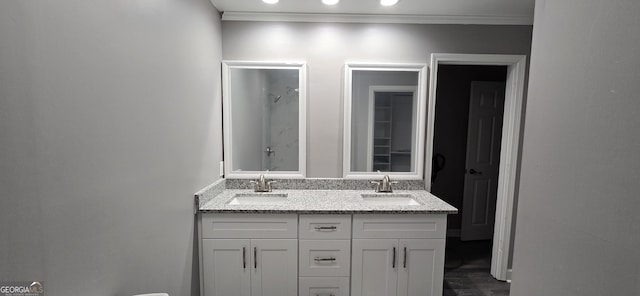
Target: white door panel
{"points": [[486, 107]]}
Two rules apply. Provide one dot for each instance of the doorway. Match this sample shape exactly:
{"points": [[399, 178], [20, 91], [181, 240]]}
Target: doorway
{"points": [[467, 146], [467, 134], [509, 144]]}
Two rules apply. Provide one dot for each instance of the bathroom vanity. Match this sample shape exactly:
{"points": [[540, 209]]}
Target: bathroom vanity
{"points": [[321, 242]]}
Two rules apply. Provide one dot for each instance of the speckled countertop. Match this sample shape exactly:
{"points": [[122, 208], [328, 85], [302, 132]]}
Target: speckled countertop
{"points": [[215, 200]]}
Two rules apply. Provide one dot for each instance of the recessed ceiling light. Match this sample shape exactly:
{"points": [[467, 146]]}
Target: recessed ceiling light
{"points": [[330, 2], [388, 2], [270, 1]]}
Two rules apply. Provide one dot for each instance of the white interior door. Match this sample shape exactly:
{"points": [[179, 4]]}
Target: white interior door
{"points": [[486, 108], [374, 267]]}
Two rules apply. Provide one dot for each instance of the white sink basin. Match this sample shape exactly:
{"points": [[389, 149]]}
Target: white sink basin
{"points": [[390, 199], [258, 199]]}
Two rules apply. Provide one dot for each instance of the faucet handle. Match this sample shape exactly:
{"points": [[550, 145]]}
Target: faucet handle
{"points": [[391, 183], [268, 184], [378, 184], [255, 185]]}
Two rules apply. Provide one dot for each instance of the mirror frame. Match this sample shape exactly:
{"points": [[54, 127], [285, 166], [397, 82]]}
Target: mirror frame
{"points": [[418, 146], [227, 97]]}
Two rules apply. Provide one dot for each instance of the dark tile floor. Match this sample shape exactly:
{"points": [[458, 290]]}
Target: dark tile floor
{"points": [[467, 270]]}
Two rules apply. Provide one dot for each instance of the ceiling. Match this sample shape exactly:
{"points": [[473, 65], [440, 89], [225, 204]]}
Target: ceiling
{"points": [[495, 12]]}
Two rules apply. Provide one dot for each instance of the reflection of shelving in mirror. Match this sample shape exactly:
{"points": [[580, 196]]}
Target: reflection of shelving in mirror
{"points": [[384, 104], [391, 134]]}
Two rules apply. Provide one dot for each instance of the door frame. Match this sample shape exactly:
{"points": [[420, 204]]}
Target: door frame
{"points": [[510, 146]]}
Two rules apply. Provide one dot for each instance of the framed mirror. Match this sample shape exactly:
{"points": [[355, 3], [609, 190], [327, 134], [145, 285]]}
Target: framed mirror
{"points": [[264, 106], [384, 121]]}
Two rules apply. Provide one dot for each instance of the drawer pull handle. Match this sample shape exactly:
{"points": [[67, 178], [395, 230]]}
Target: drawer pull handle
{"points": [[255, 258], [393, 262], [325, 259], [244, 258], [326, 228], [405, 258], [330, 294]]}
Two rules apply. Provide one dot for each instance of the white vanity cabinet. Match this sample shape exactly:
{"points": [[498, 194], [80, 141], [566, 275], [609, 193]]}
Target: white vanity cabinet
{"points": [[325, 255], [398, 255], [249, 255], [322, 254]]}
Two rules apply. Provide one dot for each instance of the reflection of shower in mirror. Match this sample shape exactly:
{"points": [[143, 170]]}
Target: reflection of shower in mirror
{"points": [[291, 90], [275, 98], [264, 105]]}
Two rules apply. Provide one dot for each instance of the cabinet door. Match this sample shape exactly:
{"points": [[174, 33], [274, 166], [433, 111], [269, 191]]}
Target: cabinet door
{"points": [[374, 267], [274, 267], [226, 269], [420, 272]]}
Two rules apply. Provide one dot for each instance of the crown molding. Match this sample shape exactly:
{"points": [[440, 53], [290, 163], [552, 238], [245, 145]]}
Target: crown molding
{"points": [[377, 18]]}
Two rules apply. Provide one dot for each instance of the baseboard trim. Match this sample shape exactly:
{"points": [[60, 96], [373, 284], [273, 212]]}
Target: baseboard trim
{"points": [[453, 233]]}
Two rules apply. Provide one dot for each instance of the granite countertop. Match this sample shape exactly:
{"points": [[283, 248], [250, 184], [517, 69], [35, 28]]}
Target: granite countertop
{"points": [[325, 202]]}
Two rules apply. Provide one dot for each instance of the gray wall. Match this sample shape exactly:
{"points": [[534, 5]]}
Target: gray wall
{"points": [[327, 46], [109, 122], [578, 227]]}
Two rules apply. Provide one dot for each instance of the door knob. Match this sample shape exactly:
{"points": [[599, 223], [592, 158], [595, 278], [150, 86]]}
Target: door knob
{"points": [[474, 172]]}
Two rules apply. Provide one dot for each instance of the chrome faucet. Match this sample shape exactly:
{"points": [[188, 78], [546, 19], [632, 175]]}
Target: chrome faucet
{"points": [[262, 185], [384, 185]]}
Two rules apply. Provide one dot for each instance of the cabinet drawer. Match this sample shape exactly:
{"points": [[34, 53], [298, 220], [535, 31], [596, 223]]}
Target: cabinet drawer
{"points": [[324, 257], [249, 226], [324, 286], [400, 226], [325, 226]]}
